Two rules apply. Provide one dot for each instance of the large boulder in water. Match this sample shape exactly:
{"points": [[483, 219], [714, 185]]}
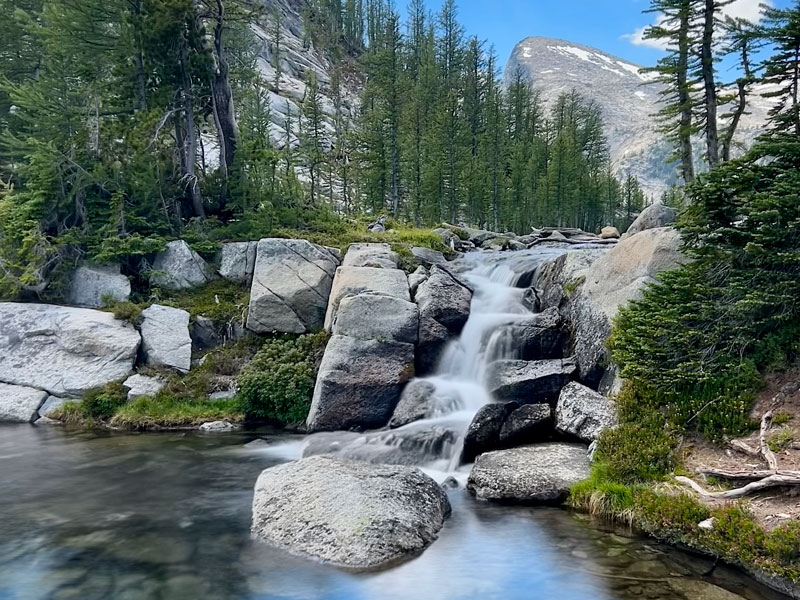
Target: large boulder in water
{"points": [[529, 382], [583, 413], [617, 277], [20, 404], [654, 216], [94, 286], [529, 424], [359, 383], [65, 351], [178, 267], [444, 306], [166, 341], [291, 285], [352, 281], [541, 336], [349, 514], [541, 474], [415, 403], [483, 433], [376, 317]]}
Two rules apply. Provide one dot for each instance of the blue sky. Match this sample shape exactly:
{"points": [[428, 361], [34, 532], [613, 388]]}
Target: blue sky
{"points": [[610, 25]]}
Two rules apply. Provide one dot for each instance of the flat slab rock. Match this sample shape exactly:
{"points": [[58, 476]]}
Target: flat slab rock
{"points": [[353, 515], [63, 350], [291, 285], [165, 337], [20, 404], [541, 474]]}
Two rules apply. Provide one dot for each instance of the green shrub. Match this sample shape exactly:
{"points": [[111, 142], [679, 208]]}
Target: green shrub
{"points": [[221, 301], [641, 448], [673, 517], [780, 440], [129, 312], [783, 543], [102, 403], [278, 383]]}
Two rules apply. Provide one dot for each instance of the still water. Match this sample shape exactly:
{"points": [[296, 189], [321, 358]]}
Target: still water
{"points": [[165, 516]]}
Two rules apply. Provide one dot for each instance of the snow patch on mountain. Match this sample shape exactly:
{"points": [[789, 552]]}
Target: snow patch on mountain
{"points": [[628, 99]]}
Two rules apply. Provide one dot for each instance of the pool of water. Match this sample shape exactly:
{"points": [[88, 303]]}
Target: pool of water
{"points": [[166, 516]]}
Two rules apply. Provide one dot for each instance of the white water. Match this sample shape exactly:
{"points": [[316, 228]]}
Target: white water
{"points": [[435, 442]]}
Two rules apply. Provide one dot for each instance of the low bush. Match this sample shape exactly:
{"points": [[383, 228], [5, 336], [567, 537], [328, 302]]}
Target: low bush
{"points": [[102, 403], [277, 385]]}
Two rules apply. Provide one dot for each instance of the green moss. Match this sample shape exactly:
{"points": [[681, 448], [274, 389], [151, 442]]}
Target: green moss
{"points": [[102, 403], [277, 384], [780, 440], [164, 410], [130, 312], [572, 286], [674, 515], [221, 301], [462, 234]]}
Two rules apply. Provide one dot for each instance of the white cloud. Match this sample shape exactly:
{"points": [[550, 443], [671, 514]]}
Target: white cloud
{"points": [[743, 9]]}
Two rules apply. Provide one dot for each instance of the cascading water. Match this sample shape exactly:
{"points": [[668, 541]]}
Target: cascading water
{"points": [[499, 282]]}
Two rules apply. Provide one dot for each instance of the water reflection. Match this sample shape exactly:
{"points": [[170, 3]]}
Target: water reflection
{"points": [[157, 517]]}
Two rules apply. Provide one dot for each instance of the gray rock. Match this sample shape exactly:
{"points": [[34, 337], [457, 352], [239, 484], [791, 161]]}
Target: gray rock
{"points": [[52, 405], [359, 383], [583, 413], [609, 233], [218, 427], [352, 515], [428, 257], [617, 277], [416, 279], [20, 404], [206, 335], [529, 424], [46, 421], [415, 403], [141, 386], [444, 307], [165, 337], [352, 281], [542, 336], [64, 351], [483, 433], [541, 474], [336, 252], [379, 256], [378, 226], [654, 216], [237, 261], [178, 267], [450, 239], [291, 285], [560, 277], [516, 246], [376, 317], [94, 286], [529, 382]]}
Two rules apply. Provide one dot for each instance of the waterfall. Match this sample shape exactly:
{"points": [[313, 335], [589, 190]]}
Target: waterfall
{"points": [[499, 282]]}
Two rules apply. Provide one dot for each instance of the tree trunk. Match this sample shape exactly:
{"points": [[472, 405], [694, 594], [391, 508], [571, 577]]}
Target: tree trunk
{"points": [[709, 83], [222, 96], [189, 146], [684, 94]]}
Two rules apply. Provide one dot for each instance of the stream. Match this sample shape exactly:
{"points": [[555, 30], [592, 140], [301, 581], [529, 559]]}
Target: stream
{"points": [[87, 515]]}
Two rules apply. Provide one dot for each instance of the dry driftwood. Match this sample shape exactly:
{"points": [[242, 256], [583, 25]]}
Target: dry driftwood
{"points": [[758, 479], [771, 481]]}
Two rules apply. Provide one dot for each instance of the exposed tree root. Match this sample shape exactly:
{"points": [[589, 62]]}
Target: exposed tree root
{"points": [[758, 479]]}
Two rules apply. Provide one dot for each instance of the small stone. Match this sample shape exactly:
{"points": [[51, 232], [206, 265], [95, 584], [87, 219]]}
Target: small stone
{"points": [[178, 267], [94, 286], [141, 386], [707, 525], [218, 427]]}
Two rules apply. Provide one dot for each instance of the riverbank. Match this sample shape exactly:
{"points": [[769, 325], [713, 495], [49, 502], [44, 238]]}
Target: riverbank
{"points": [[95, 515]]}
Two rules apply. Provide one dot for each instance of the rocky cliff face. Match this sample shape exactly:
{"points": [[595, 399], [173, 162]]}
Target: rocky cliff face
{"points": [[296, 56], [628, 99]]}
